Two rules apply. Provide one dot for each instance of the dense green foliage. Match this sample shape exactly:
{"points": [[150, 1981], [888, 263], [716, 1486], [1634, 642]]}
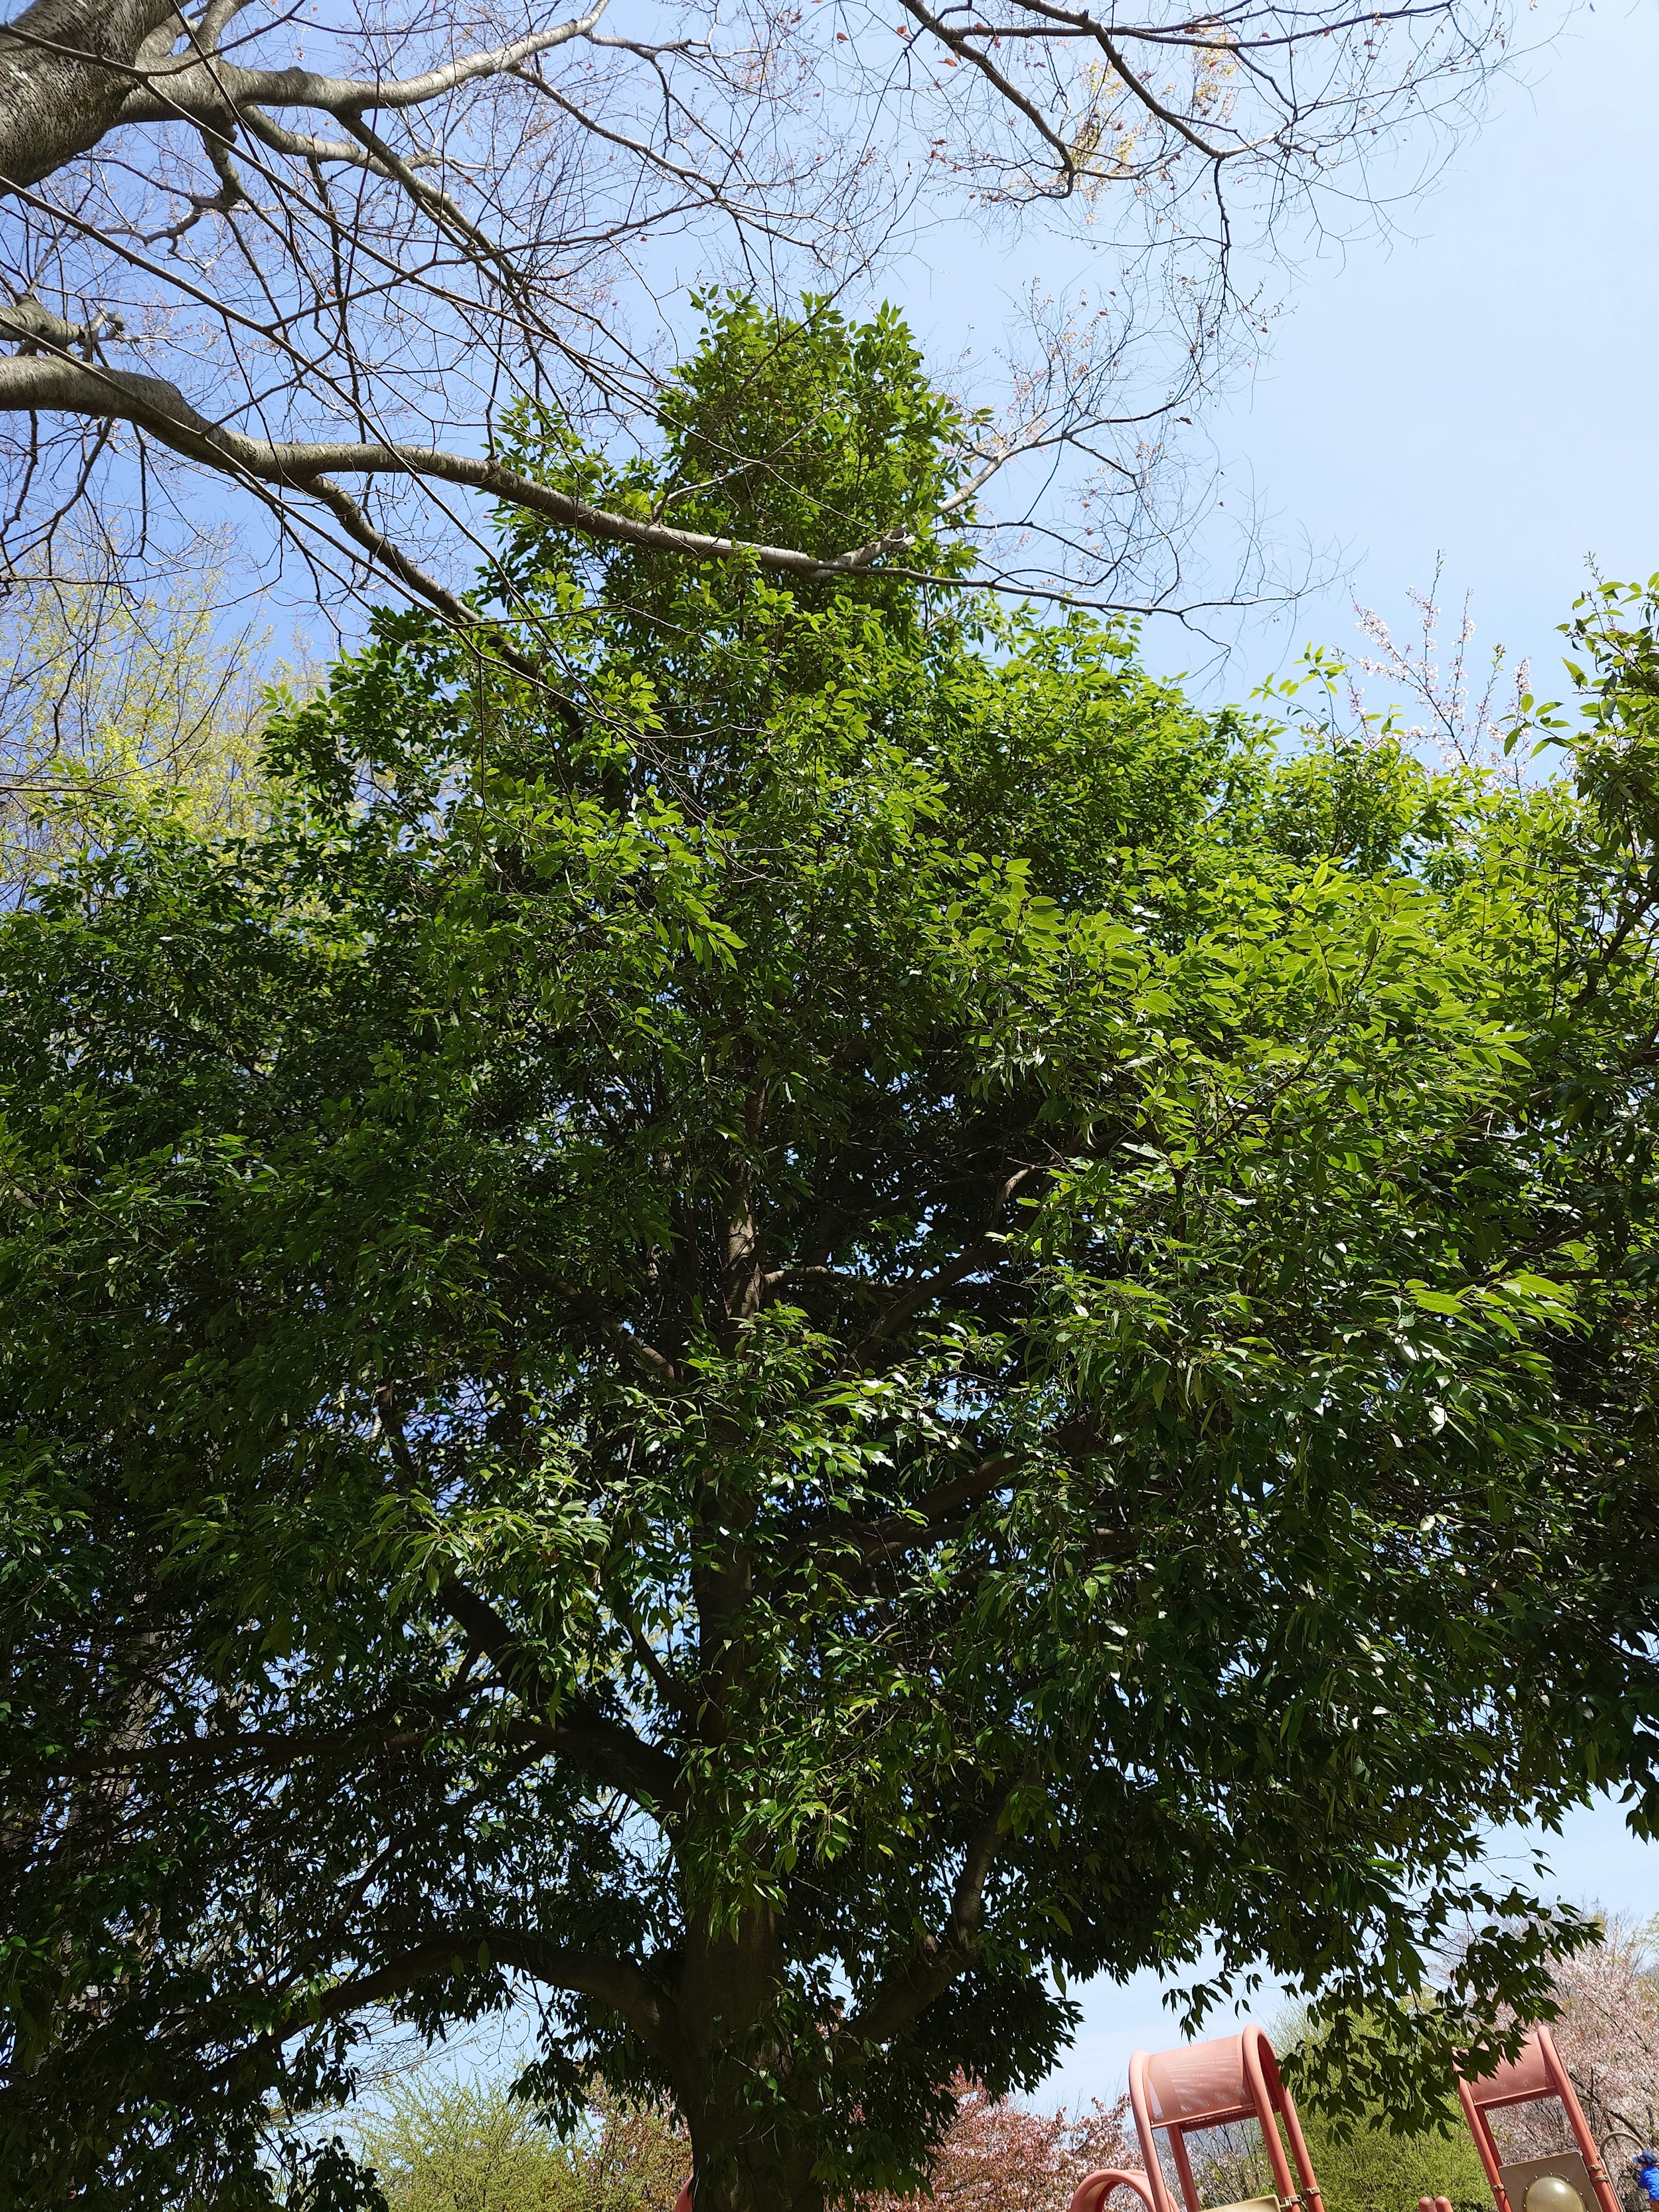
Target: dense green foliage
{"points": [[836, 1314]]}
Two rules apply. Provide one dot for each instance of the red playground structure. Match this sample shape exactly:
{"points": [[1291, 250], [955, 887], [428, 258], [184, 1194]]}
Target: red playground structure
{"points": [[1218, 2084], [1235, 2078], [1571, 2180]]}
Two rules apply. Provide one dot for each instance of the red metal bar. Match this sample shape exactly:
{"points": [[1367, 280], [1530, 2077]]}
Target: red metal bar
{"points": [[1260, 2065], [1184, 2169], [1480, 2129], [1143, 2117], [1576, 2120], [1092, 2192]]}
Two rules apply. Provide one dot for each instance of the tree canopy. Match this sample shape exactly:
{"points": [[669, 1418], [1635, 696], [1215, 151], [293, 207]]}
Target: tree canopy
{"points": [[800, 1332]]}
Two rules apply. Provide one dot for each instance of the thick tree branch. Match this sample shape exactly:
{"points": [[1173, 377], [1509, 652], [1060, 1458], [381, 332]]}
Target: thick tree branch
{"points": [[619, 1983], [42, 384], [28, 325], [897, 1532], [66, 68], [604, 1748], [922, 1289], [660, 1372], [164, 91], [72, 71], [936, 1959]]}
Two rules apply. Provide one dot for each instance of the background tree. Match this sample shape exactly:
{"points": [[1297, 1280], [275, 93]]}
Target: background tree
{"points": [[107, 697], [464, 2146], [1364, 2166], [319, 256], [460, 2144], [996, 2155], [854, 1321]]}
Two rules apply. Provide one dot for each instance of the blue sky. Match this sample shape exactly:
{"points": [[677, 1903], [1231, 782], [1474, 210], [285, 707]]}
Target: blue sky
{"points": [[1479, 385], [1484, 389]]}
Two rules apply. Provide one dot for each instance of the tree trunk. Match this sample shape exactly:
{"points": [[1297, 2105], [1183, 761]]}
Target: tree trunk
{"points": [[58, 93], [746, 2155], [742, 2162]]}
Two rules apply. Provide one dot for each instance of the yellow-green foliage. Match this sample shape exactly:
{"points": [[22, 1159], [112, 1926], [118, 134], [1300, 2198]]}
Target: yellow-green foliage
{"points": [[466, 2146], [1376, 2171], [106, 697]]}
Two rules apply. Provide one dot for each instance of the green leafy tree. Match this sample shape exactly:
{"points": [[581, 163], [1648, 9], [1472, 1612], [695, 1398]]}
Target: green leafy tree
{"points": [[464, 2146], [799, 1314], [1367, 2167]]}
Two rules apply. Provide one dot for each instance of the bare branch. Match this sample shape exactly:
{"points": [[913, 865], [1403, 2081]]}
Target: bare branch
{"points": [[165, 90], [494, 187]]}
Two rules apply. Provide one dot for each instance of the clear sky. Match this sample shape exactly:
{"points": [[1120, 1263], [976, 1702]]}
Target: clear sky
{"points": [[1485, 389]]}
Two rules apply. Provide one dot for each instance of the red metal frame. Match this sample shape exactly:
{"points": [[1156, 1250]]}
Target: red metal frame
{"points": [[1211, 2085], [1534, 2072], [1207, 2085]]}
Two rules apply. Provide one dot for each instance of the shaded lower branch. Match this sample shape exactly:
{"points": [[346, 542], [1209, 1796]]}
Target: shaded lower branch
{"points": [[936, 1959], [619, 1983], [604, 1749]]}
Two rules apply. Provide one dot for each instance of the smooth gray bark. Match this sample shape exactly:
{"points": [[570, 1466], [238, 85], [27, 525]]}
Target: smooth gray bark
{"points": [[66, 69]]}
